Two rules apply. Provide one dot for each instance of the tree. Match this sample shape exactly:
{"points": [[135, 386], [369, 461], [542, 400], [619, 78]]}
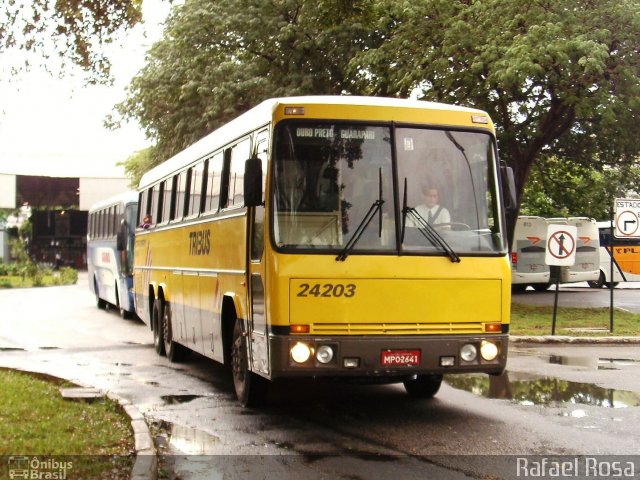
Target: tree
{"points": [[75, 30], [557, 188], [219, 58], [555, 75], [137, 165]]}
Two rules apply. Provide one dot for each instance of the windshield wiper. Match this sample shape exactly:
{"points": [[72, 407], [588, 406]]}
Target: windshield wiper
{"points": [[376, 207], [425, 228]]}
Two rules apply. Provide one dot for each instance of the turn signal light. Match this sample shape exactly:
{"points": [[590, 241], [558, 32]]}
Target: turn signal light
{"points": [[493, 327], [299, 328]]}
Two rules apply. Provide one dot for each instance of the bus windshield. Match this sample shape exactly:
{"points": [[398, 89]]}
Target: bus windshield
{"points": [[334, 188]]}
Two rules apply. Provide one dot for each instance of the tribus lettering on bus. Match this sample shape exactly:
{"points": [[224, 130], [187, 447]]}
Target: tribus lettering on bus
{"points": [[200, 242]]}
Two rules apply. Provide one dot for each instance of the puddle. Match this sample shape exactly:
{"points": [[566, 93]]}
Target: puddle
{"points": [[546, 391], [592, 363], [188, 440], [178, 399]]}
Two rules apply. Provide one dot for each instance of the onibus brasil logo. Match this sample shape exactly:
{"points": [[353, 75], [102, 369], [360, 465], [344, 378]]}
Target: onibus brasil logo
{"points": [[38, 468]]}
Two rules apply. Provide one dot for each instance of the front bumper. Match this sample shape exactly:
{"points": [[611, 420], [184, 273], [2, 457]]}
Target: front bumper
{"points": [[368, 350]]}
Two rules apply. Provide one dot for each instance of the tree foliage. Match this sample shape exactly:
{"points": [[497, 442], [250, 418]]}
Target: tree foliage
{"points": [[557, 188], [554, 74], [74, 30], [559, 77], [219, 58]]}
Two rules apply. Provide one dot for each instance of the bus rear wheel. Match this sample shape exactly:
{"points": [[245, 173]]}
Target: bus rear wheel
{"points": [[598, 283], [423, 386], [251, 389], [100, 303], [174, 351], [156, 324]]}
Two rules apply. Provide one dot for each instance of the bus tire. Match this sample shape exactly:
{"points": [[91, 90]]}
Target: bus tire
{"points": [[100, 303], [156, 320], [174, 351], [123, 313], [251, 389], [541, 287], [423, 386], [597, 283]]}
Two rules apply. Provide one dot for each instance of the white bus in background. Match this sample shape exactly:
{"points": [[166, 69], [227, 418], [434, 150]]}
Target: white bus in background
{"points": [[626, 252], [587, 266], [528, 253], [528, 265], [110, 238]]}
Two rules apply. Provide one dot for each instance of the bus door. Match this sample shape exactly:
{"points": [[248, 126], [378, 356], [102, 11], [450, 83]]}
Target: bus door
{"points": [[259, 349]]}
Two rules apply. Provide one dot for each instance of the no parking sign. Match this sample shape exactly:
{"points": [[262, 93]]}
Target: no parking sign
{"points": [[561, 245]]}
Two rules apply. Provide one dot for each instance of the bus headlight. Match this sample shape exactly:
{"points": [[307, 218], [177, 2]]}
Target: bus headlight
{"points": [[300, 352], [488, 350], [324, 354], [468, 352]]}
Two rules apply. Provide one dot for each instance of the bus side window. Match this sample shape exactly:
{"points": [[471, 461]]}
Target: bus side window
{"points": [[142, 206], [152, 208], [100, 223], [181, 188], [224, 181], [195, 193], [164, 208], [262, 152], [212, 202], [239, 155]]}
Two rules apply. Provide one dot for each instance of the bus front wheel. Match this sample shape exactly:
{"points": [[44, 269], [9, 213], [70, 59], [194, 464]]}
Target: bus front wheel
{"points": [[156, 320], [423, 386], [251, 389]]}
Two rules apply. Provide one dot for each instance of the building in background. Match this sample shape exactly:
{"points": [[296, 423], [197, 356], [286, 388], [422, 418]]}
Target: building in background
{"points": [[59, 207]]}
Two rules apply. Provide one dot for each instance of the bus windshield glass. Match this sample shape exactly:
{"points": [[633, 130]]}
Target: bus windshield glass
{"points": [[334, 189]]}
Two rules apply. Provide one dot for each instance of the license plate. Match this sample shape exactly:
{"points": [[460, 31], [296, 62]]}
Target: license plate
{"points": [[400, 358]]}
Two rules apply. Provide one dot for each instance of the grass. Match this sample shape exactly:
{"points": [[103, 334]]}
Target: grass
{"points": [[537, 320], [95, 437], [16, 281]]}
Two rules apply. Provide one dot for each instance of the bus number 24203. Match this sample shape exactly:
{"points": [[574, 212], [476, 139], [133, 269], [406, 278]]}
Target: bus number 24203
{"points": [[327, 290]]}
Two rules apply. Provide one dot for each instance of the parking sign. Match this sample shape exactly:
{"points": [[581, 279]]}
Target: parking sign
{"points": [[627, 218]]}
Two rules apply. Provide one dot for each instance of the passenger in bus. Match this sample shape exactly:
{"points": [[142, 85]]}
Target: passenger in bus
{"points": [[431, 210], [146, 222]]}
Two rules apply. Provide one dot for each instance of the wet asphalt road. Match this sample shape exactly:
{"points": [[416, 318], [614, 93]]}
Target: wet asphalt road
{"points": [[555, 399]]}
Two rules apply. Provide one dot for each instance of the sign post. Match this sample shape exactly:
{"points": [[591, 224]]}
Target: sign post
{"points": [[560, 252], [625, 223]]}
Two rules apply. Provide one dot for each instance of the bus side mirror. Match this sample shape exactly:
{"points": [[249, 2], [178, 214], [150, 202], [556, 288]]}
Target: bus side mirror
{"points": [[509, 189], [253, 182]]}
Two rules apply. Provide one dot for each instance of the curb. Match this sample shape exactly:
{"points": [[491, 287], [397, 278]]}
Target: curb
{"points": [[146, 464], [558, 339]]}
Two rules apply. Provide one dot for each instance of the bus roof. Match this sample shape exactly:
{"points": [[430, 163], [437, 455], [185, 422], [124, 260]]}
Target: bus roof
{"points": [[263, 113], [125, 198]]}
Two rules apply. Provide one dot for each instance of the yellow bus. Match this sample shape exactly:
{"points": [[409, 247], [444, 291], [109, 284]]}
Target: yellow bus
{"points": [[294, 242]]}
